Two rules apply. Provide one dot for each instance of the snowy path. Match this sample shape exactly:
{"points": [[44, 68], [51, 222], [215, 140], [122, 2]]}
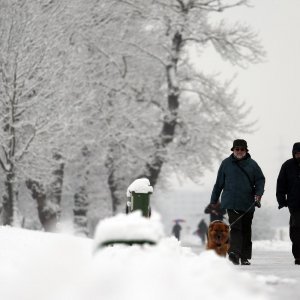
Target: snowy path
{"points": [[276, 269]]}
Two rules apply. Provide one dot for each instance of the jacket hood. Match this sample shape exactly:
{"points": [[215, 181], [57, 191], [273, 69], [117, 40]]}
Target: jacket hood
{"points": [[296, 148]]}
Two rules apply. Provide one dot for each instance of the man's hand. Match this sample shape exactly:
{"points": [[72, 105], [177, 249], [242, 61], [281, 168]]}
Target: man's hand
{"points": [[283, 204], [257, 199]]}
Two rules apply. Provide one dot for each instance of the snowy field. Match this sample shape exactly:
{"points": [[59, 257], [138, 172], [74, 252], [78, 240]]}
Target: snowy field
{"points": [[39, 265]]}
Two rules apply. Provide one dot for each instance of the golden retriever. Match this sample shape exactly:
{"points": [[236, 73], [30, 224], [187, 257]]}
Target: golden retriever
{"points": [[218, 237]]}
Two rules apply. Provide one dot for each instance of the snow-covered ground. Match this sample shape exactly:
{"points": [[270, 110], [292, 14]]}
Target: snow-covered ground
{"points": [[39, 265]]}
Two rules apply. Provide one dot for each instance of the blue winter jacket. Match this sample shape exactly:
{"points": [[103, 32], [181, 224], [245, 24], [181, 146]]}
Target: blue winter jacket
{"points": [[237, 191]]}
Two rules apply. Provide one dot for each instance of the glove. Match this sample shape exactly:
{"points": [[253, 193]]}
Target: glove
{"points": [[282, 205], [257, 199]]}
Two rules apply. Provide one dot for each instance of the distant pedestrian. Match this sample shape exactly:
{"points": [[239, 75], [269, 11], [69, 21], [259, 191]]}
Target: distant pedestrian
{"points": [[288, 194], [176, 230], [202, 231], [241, 182], [215, 211]]}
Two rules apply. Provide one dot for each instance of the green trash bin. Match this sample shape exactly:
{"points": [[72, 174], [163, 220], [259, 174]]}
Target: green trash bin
{"points": [[140, 201]]}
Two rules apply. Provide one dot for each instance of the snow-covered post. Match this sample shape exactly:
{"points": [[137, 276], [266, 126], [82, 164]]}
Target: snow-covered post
{"points": [[135, 228], [139, 193]]}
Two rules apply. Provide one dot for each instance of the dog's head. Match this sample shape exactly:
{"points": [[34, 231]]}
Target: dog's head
{"points": [[218, 232]]}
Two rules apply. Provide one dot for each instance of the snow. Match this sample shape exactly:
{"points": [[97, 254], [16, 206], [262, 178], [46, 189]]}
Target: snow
{"points": [[273, 245], [141, 185], [39, 265], [129, 227]]}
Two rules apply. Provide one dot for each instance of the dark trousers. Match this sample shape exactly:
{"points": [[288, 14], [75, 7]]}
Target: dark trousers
{"points": [[295, 233], [240, 233]]}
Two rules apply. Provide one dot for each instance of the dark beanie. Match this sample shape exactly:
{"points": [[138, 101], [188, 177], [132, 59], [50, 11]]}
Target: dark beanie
{"points": [[296, 148], [239, 143]]}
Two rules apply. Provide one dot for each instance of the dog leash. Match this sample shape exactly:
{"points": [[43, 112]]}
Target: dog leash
{"points": [[241, 215]]}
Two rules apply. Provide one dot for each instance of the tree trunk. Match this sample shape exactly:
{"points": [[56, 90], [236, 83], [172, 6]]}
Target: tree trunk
{"points": [[9, 209], [48, 204], [46, 211], [8, 200], [57, 185], [153, 168], [115, 183], [112, 183], [81, 201], [80, 211]]}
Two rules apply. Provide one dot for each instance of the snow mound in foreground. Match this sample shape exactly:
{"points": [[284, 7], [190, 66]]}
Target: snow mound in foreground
{"points": [[131, 227], [37, 265], [165, 271]]}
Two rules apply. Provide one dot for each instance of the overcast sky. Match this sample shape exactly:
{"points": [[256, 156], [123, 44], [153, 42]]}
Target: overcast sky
{"points": [[272, 88]]}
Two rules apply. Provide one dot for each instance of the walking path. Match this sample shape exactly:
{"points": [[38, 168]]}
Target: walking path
{"points": [[276, 269]]}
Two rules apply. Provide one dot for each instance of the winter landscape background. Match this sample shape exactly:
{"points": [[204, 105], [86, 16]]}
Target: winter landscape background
{"points": [[94, 94]]}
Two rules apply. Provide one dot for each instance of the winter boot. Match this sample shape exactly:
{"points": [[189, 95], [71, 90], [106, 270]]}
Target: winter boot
{"points": [[234, 258], [245, 262]]}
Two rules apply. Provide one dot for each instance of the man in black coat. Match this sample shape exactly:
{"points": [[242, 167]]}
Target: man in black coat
{"points": [[240, 182], [288, 194]]}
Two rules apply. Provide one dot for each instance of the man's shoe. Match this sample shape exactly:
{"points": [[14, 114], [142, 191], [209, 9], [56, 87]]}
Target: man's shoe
{"points": [[297, 261], [233, 257], [245, 262]]}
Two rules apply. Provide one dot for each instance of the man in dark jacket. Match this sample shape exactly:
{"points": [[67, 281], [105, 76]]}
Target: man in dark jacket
{"points": [[288, 194], [241, 182]]}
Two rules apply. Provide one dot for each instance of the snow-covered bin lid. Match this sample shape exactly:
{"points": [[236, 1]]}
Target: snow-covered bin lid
{"points": [[140, 186], [129, 228]]}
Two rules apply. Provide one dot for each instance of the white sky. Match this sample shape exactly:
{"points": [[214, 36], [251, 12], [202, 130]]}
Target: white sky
{"points": [[37, 265], [273, 88]]}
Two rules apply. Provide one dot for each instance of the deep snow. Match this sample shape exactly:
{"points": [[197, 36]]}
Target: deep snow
{"points": [[39, 265]]}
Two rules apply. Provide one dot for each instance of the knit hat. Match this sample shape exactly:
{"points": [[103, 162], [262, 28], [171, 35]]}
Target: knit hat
{"points": [[296, 148], [241, 143]]}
